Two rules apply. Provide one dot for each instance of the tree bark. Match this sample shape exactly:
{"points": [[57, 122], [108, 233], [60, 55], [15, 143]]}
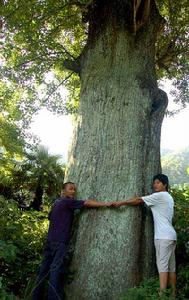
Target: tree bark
{"points": [[115, 152], [38, 198]]}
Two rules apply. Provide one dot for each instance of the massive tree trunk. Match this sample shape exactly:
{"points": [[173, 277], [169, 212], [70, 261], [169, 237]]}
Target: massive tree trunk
{"points": [[115, 152]]}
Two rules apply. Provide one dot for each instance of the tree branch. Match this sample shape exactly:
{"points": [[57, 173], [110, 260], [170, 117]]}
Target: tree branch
{"points": [[68, 53], [55, 89], [73, 65], [141, 13], [170, 55]]}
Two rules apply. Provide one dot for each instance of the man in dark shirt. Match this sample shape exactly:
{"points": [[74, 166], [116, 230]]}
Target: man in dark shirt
{"points": [[61, 218]]}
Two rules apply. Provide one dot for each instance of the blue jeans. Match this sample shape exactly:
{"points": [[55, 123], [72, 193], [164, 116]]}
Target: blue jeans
{"points": [[52, 267]]}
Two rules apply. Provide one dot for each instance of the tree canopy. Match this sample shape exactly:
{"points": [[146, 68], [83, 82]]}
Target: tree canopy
{"points": [[42, 38]]}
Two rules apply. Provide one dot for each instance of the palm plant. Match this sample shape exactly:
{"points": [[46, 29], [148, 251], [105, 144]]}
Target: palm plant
{"points": [[46, 174]]}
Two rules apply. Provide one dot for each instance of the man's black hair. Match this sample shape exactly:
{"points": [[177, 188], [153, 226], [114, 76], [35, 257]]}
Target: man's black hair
{"points": [[65, 184], [162, 178]]}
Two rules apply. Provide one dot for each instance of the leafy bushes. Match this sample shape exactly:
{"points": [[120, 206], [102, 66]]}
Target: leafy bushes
{"points": [[21, 240], [181, 222], [148, 290]]}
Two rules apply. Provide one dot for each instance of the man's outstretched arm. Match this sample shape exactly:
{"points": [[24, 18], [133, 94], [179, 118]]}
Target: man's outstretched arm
{"points": [[131, 202], [94, 203]]}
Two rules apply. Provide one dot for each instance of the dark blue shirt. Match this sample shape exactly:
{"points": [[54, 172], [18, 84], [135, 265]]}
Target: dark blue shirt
{"points": [[61, 218]]}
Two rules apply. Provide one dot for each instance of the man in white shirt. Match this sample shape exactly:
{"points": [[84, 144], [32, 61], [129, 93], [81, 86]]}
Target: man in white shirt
{"points": [[162, 206]]}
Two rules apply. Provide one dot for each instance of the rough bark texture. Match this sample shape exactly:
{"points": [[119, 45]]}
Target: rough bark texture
{"points": [[115, 153]]}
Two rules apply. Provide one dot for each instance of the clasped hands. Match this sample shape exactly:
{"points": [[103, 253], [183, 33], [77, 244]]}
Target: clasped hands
{"points": [[113, 204]]}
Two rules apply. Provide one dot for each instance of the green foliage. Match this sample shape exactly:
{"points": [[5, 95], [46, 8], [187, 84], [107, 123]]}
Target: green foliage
{"points": [[172, 49], [4, 295], [10, 136], [7, 169], [18, 178], [22, 232], [8, 251], [21, 240], [39, 36], [16, 111], [181, 221], [148, 290], [45, 170], [183, 282], [175, 165]]}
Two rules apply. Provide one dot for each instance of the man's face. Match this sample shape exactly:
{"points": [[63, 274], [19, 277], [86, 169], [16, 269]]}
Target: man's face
{"points": [[70, 190], [158, 186]]}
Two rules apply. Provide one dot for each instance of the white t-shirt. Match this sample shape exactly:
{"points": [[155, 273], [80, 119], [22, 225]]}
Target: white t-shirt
{"points": [[162, 206]]}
